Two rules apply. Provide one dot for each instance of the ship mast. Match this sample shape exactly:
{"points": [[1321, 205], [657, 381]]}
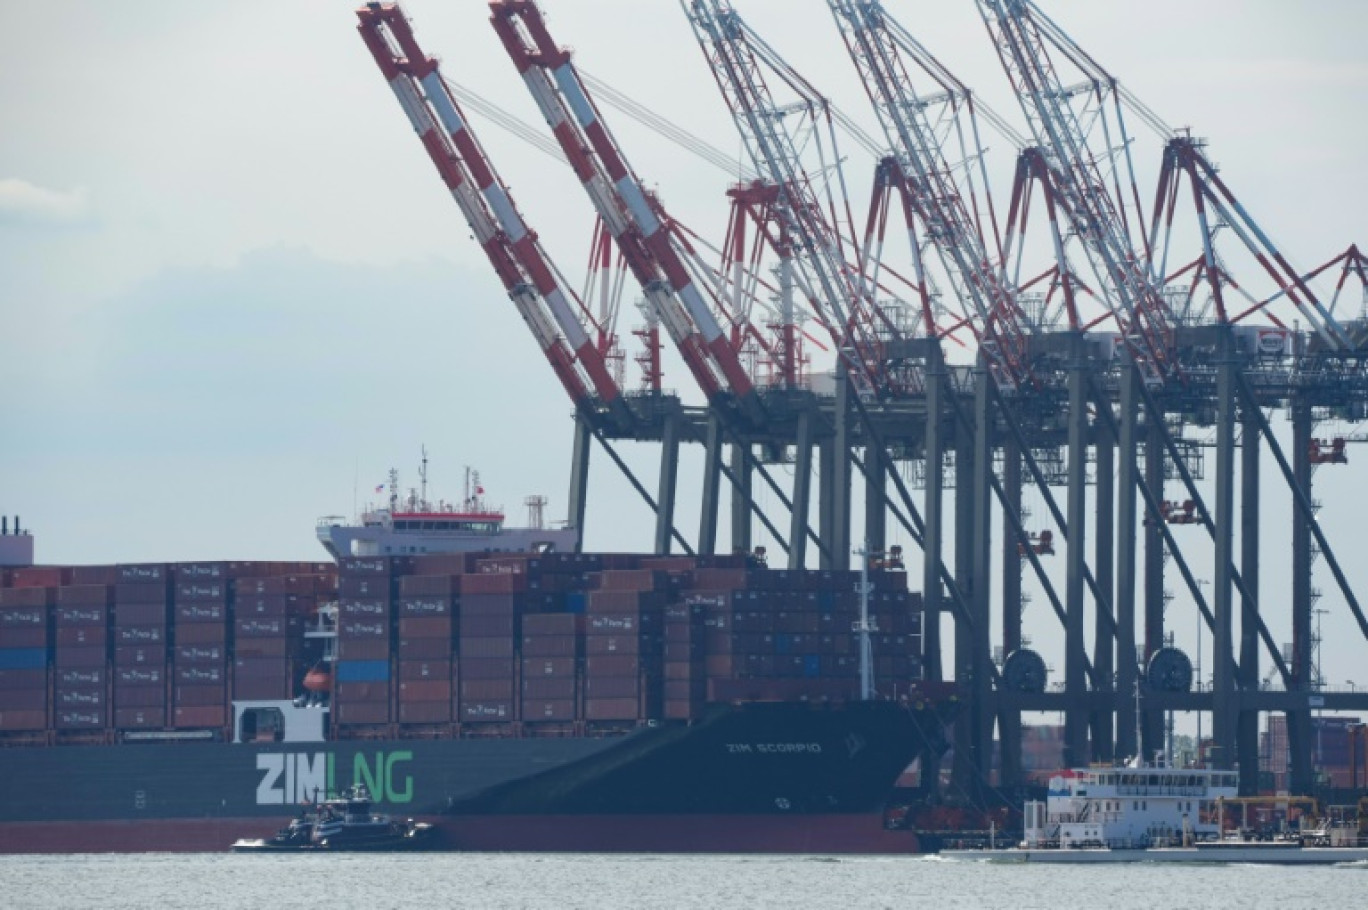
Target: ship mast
{"points": [[422, 481]]}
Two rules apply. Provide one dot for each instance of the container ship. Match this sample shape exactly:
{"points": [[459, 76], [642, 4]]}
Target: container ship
{"points": [[531, 700]]}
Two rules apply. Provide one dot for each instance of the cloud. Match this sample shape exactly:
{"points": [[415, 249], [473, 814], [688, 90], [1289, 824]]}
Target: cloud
{"points": [[25, 203]]}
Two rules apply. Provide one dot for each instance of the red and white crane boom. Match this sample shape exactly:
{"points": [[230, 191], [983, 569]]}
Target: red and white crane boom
{"points": [[576, 353]]}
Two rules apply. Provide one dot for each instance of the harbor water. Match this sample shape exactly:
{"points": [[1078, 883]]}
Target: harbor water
{"points": [[569, 881]]}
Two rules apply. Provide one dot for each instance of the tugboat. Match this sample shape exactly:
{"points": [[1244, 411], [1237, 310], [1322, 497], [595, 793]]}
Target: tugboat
{"points": [[345, 824]]}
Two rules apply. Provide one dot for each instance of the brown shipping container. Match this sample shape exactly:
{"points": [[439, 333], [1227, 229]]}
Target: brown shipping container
{"points": [[417, 607], [201, 634], [24, 699], [352, 648], [487, 626], [201, 696], [200, 716], [79, 719], [134, 656], [140, 676], [487, 711], [553, 624], [496, 604], [425, 690], [22, 618], [363, 628], [209, 592], [77, 676], [362, 691], [143, 573], [140, 717], [77, 636], [199, 653], [482, 648], [612, 686], [149, 593], [268, 606], [426, 627], [546, 709], [693, 690], [683, 650], [551, 646], [265, 627], [79, 697], [22, 679], [83, 576], [548, 666], [201, 674], [445, 563], [616, 644], [140, 614], [23, 720], [627, 601], [24, 637], [365, 565], [611, 708], [554, 688], [83, 657], [362, 712], [278, 585], [27, 597], [425, 712], [82, 615], [620, 664], [260, 667], [369, 609], [364, 587], [430, 587], [41, 577], [487, 669], [425, 649], [487, 689], [139, 696], [620, 623], [201, 612], [488, 583], [677, 670], [261, 687], [425, 669], [633, 580]]}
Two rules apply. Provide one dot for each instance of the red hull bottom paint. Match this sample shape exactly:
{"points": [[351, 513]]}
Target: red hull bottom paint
{"points": [[501, 833]]}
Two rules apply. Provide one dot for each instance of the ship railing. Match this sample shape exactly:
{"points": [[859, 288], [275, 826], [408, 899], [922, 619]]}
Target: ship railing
{"points": [[1158, 790], [328, 521]]}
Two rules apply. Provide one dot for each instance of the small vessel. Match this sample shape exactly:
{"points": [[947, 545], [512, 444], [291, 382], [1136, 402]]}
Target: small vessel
{"points": [[410, 524], [345, 824], [1164, 814]]}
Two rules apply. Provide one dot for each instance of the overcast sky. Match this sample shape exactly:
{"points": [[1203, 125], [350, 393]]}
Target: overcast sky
{"points": [[235, 292]]}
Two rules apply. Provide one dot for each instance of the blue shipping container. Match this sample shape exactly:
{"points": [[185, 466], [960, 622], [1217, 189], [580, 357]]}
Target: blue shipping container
{"points": [[574, 602], [363, 671], [812, 665], [23, 658]]}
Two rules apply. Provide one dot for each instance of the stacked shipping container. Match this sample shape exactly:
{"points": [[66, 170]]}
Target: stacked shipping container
{"points": [[25, 639], [142, 612]]}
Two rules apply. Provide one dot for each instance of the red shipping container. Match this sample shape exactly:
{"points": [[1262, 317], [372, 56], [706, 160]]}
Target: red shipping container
{"points": [[263, 688], [139, 696], [548, 687], [364, 587], [416, 607], [545, 710], [24, 699], [201, 674], [487, 669], [82, 615], [425, 712], [611, 708], [79, 719], [491, 583], [140, 614], [362, 691], [354, 648], [551, 646], [486, 625], [200, 696], [548, 666], [487, 690], [481, 648], [41, 577], [77, 697], [424, 669], [23, 720], [24, 637], [430, 586], [633, 580], [200, 716], [474, 712], [425, 648], [139, 718], [362, 712], [363, 628], [426, 627], [200, 612], [88, 656], [94, 575], [425, 690], [27, 597], [194, 653], [132, 656], [22, 679]]}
